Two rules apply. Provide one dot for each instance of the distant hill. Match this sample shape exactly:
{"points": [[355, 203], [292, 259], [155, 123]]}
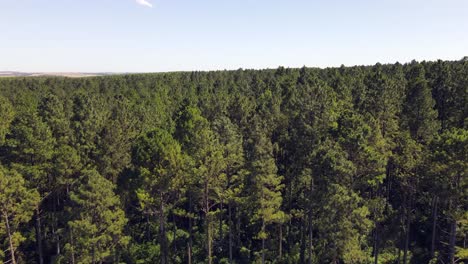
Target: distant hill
{"points": [[63, 74]]}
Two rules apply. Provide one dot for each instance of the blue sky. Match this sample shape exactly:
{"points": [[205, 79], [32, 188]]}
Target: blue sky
{"points": [[173, 35]]}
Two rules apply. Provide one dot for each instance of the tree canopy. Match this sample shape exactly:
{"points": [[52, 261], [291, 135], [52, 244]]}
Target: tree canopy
{"points": [[364, 164]]}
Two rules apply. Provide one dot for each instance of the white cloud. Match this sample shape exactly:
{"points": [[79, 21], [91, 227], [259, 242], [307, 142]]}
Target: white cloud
{"points": [[144, 3]]}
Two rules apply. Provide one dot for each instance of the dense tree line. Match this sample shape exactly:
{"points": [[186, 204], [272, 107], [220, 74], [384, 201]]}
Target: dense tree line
{"points": [[337, 165]]}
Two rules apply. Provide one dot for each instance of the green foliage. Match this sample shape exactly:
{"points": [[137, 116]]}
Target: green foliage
{"points": [[342, 225], [17, 204], [6, 117], [339, 165], [267, 185], [421, 115], [115, 139], [159, 161], [96, 227]]}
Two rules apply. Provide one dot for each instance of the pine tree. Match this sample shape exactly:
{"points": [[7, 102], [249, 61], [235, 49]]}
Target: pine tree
{"points": [[442, 84], [6, 117], [384, 99], [31, 147], [64, 163], [53, 113], [96, 227], [159, 162], [17, 204], [420, 113], [368, 151], [266, 188], [200, 143], [342, 217], [85, 124], [314, 115], [342, 226], [449, 156], [233, 155], [115, 138], [404, 163]]}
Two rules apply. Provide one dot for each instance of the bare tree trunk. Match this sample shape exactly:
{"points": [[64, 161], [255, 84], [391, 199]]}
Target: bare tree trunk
{"points": [[311, 245], [148, 226], [289, 223], [263, 242], [10, 240], [221, 222], [453, 233], [39, 236], [280, 241], [189, 253], [464, 241], [174, 234], [209, 245], [57, 246], [238, 228], [303, 241], [230, 231], [434, 225], [57, 236], [162, 232], [209, 239], [399, 248], [376, 244], [310, 224], [407, 233], [189, 249], [72, 247]]}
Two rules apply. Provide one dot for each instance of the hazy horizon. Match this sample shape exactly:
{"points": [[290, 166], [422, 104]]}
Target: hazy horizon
{"points": [[164, 36], [243, 68]]}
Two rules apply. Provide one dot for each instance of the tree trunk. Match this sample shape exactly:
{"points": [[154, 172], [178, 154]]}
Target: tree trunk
{"points": [[189, 253], [407, 236], [230, 232], [10, 240], [376, 244], [464, 241], [221, 222], [162, 232], [263, 242], [57, 236], [289, 224], [399, 249], [72, 247], [238, 227], [209, 245], [310, 224], [39, 236], [453, 233], [148, 226], [407, 233], [310, 245], [280, 241], [190, 242], [57, 246], [303, 242], [434, 225], [174, 234], [209, 240]]}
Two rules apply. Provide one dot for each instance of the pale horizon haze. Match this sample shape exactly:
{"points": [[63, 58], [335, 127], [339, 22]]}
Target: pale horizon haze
{"points": [[183, 35]]}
